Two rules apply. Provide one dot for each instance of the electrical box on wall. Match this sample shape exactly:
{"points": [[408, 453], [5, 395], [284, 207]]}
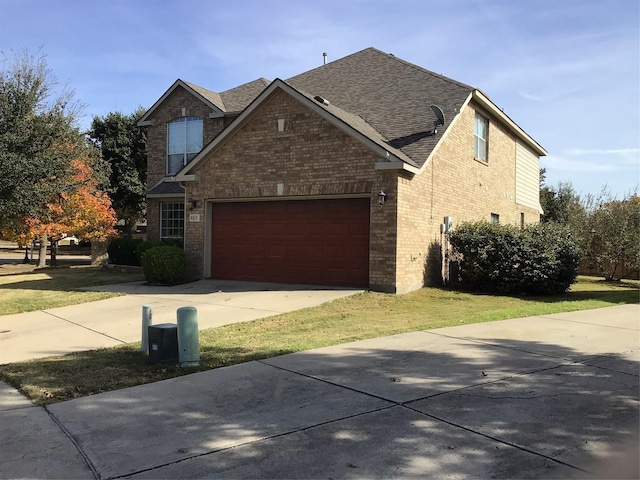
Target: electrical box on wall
{"points": [[447, 226]]}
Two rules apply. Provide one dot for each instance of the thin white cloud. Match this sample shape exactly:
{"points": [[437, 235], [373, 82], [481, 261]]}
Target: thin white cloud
{"points": [[535, 98], [604, 151], [568, 164]]}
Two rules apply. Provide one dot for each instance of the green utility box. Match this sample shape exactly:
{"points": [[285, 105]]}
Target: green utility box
{"points": [[188, 341]]}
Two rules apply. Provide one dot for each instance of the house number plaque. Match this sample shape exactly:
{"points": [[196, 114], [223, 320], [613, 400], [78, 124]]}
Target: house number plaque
{"points": [[194, 217]]}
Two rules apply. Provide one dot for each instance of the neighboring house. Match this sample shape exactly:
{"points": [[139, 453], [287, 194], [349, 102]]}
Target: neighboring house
{"points": [[283, 181]]}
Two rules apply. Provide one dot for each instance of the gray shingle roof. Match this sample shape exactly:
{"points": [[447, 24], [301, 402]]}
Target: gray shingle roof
{"points": [[390, 95], [213, 97], [237, 99], [361, 125], [233, 100], [165, 188]]}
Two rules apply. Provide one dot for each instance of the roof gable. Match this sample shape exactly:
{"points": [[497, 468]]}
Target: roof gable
{"points": [[380, 99], [352, 124], [229, 101], [391, 95], [212, 99]]}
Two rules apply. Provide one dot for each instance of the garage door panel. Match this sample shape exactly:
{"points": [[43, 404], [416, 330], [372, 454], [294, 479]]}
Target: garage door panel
{"points": [[324, 242]]}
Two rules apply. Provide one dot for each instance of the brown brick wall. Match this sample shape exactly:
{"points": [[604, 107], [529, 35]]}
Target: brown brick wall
{"points": [[153, 219], [170, 110], [454, 184], [310, 158]]}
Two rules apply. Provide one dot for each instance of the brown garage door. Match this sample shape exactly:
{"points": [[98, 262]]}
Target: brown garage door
{"points": [[318, 242]]}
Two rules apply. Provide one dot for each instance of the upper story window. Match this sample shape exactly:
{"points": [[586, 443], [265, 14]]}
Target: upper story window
{"points": [[184, 141], [480, 130]]}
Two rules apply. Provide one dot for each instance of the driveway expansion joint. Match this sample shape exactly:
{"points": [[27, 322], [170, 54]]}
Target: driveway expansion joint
{"points": [[251, 442], [433, 417], [75, 443], [496, 439], [82, 326]]}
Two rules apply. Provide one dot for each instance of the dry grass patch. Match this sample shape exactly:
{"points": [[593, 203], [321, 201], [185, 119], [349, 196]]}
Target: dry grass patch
{"points": [[362, 316]]}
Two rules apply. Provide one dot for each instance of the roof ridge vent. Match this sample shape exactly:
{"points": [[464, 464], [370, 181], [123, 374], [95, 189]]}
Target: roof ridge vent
{"points": [[321, 100]]}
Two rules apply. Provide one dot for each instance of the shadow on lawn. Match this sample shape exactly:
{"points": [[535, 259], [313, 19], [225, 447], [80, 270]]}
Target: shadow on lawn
{"points": [[64, 279], [429, 409], [618, 293]]}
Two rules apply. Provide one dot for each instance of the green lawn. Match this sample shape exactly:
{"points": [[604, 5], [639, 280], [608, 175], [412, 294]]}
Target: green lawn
{"points": [[366, 315], [24, 289]]}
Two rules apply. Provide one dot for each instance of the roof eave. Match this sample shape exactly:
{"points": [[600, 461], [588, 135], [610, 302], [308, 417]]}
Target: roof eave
{"points": [[484, 101], [397, 165], [186, 177]]}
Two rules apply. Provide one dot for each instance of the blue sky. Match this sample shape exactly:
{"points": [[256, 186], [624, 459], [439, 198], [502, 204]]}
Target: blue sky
{"points": [[567, 71]]}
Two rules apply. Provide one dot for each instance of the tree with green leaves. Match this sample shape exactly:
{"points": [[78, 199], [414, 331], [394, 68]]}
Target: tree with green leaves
{"points": [[123, 145], [607, 229], [35, 128], [560, 204], [613, 236], [39, 142]]}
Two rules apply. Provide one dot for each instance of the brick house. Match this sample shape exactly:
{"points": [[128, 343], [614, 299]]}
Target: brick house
{"points": [[341, 175]]}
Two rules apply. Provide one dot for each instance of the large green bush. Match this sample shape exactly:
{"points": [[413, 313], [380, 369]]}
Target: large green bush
{"points": [[129, 251], [536, 259], [165, 265], [145, 246], [124, 251]]}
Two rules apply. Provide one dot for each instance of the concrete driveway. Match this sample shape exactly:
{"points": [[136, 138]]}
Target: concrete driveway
{"points": [[554, 396], [111, 322]]}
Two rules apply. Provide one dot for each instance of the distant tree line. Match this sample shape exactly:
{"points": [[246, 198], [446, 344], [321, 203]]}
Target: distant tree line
{"points": [[607, 228]]}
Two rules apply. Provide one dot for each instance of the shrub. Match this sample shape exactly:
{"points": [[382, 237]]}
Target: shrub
{"points": [[536, 259], [123, 251], [145, 246], [165, 265]]}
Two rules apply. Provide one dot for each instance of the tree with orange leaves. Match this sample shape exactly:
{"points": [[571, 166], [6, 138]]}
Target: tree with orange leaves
{"points": [[82, 209], [49, 184]]}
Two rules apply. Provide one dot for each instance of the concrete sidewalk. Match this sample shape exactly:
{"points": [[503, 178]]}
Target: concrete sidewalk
{"points": [[553, 396], [111, 322]]}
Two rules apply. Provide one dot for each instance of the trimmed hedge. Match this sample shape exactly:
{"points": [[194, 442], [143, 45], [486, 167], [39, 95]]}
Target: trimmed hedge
{"points": [[124, 251], [128, 251], [164, 265], [145, 246], [537, 259]]}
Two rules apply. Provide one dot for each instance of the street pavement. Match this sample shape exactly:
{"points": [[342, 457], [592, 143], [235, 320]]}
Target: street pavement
{"points": [[554, 396]]}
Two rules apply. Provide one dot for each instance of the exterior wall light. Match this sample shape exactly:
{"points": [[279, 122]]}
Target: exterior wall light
{"points": [[381, 197], [192, 203]]}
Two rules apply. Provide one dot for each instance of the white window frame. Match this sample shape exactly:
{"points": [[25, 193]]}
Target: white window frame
{"points": [[185, 150], [172, 220], [480, 142]]}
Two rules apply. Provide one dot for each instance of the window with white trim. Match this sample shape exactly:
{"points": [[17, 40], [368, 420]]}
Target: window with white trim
{"points": [[184, 141], [171, 220], [480, 133]]}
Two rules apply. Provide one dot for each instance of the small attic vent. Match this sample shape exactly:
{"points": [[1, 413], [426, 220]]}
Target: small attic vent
{"points": [[321, 100]]}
